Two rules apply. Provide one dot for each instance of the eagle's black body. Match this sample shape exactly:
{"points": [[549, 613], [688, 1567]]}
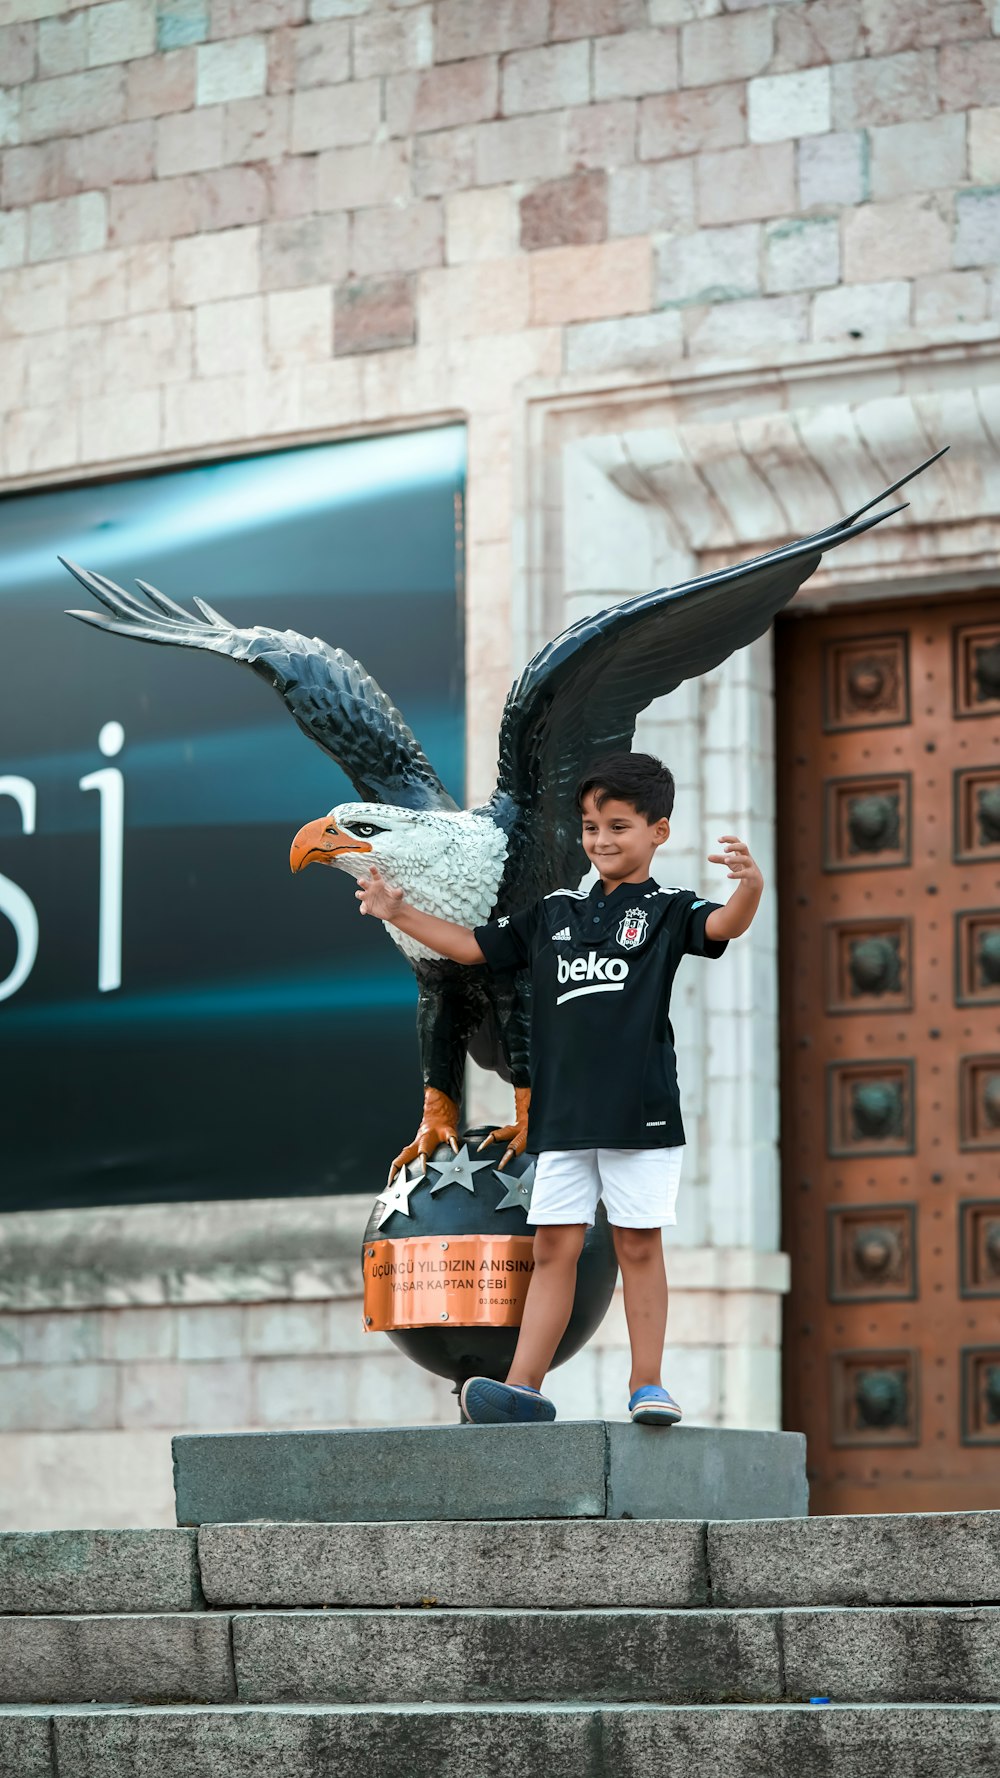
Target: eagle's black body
{"points": [[576, 701]]}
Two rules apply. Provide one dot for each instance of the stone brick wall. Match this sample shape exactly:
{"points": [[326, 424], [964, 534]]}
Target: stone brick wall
{"points": [[234, 223]]}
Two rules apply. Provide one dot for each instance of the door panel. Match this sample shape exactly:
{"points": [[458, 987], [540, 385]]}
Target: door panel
{"points": [[889, 883]]}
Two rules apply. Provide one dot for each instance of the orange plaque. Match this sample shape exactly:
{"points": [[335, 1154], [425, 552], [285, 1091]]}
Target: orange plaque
{"points": [[468, 1280]]}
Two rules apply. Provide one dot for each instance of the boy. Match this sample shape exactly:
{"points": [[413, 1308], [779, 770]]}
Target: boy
{"points": [[605, 1115]]}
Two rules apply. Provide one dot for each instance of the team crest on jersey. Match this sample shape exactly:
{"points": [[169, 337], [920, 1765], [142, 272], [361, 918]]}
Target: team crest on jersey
{"points": [[632, 931]]}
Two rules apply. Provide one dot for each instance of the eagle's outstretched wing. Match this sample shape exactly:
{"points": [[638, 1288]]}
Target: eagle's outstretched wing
{"points": [[579, 697], [332, 698]]}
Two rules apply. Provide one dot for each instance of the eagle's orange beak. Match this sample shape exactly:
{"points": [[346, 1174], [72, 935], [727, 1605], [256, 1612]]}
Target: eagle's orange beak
{"points": [[321, 842]]}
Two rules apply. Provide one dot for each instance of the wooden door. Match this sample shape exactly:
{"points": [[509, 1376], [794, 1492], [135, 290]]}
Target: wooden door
{"points": [[889, 920]]}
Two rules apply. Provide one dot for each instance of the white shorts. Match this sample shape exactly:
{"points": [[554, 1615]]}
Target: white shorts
{"points": [[638, 1185]]}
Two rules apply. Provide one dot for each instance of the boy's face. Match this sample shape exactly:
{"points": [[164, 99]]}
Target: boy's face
{"points": [[618, 841]]}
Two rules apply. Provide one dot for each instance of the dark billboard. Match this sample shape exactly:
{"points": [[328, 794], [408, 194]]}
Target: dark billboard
{"points": [[180, 1017]]}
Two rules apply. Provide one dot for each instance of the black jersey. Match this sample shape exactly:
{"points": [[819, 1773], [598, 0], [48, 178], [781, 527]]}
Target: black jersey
{"points": [[603, 1068]]}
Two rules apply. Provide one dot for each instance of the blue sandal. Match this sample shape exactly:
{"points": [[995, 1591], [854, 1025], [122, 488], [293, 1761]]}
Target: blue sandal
{"points": [[653, 1406], [487, 1403]]}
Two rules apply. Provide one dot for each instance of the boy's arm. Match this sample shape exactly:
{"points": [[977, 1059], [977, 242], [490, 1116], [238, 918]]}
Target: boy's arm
{"points": [[736, 916], [457, 942]]}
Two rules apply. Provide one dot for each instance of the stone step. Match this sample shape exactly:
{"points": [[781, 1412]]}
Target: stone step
{"points": [[590, 1469], [517, 1741], [889, 1654], [920, 1558]]}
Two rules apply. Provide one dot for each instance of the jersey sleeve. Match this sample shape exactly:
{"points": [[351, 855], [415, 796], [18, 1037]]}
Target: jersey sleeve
{"points": [[691, 927], [507, 943]]}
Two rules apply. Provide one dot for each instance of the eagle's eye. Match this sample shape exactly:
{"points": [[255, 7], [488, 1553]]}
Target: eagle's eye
{"points": [[365, 830]]}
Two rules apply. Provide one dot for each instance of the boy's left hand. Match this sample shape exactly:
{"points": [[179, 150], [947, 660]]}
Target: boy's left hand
{"points": [[737, 858]]}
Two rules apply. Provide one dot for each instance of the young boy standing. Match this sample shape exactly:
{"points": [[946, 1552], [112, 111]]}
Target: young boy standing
{"points": [[605, 1115]]}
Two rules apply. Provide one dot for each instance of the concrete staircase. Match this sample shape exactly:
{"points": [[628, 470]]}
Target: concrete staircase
{"points": [[583, 1648]]}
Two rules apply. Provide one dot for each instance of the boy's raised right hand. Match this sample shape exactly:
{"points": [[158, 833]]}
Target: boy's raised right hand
{"points": [[376, 897]]}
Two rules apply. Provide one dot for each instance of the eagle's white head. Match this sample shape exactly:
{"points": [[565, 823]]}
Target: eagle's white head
{"points": [[447, 863]]}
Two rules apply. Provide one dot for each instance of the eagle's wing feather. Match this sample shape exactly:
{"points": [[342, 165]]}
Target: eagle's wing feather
{"points": [[579, 697], [333, 700]]}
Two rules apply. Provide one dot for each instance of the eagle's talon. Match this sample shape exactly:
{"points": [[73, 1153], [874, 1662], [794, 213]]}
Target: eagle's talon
{"points": [[438, 1125]]}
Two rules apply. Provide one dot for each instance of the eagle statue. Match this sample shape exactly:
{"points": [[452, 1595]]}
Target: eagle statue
{"points": [[576, 701]]}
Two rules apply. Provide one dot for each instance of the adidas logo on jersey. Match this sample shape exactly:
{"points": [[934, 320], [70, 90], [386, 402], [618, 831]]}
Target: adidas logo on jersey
{"points": [[598, 975], [564, 934]]}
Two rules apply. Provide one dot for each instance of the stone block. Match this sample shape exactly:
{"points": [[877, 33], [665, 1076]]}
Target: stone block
{"points": [[785, 105], [602, 137], [969, 75], [57, 1396], [10, 118], [590, 283], [691, 122], [595, 18], [34, 299], [160, 84], [442, 98], [60, 1338], [122, 155], [394, 42], [72, 104], [890, 89], [922, 24], [373, 315], [517, 149], [743, 184], [28, 175], [984, 145], [715, 265], [854, 1742], [220, 1393], [202, 412], [157, 211], [652, 199], [20, 53], [99, 1571], [62, 46], [318, 55], [950, 298], [871, 1559], [465, 28], [801, 254], [304, 250], [13, 249], [291, 1327], [917, 157], [898, 240], [733, 329], [543, 1564], [233, 18], [120, 31], [210, 1331], [335, 116], [230, 70], [715, 50], [479, 225], [298, 329], [173, 1658], [387, 241], [444, 161], [502, 1656], [189, 141], [68, 226], [40, 438], [151, 1393], [376, 173], [181, 22], [229, 197], [545, 79], [257, 129], [631, 65], [977, 227], [227, 263], [927, 1655], [457, 302], [565, 212], [645, 342], [862, 311], [833, 169], [706, 1472], [293, 186]]}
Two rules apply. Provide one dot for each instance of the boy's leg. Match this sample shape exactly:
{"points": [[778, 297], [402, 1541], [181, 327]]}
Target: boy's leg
{"points": [[644, 1285], [549, 1302]]}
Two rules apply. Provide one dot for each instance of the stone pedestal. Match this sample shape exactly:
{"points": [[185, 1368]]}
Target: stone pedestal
{"points": [[589, 1469]]}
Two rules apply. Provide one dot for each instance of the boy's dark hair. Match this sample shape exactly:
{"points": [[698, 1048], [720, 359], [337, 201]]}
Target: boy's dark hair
{"points": [[635, 778]]}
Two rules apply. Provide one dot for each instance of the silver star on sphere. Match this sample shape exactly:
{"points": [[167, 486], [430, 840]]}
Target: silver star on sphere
{"points": [[397, 1196], [518, 1189], [458, 1170]]}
